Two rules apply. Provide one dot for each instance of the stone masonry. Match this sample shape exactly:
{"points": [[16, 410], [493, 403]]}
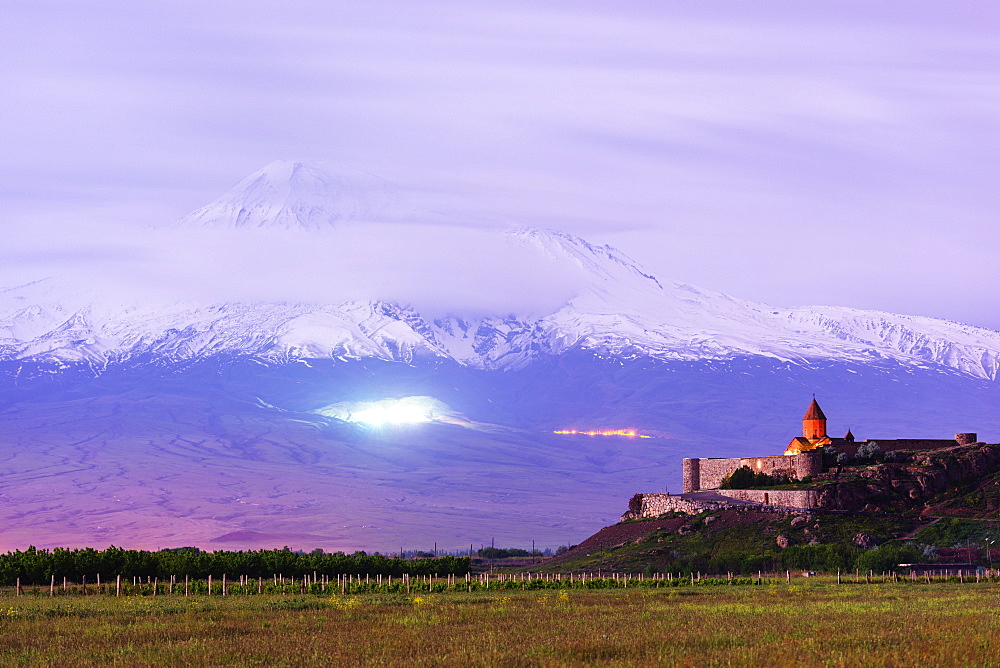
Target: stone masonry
{"points": [[652, 505], [789, 498], [708, 473]]}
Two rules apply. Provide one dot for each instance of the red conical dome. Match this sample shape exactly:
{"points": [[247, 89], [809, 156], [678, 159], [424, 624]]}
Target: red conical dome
{"points": [[814, 412], [814, 423]]}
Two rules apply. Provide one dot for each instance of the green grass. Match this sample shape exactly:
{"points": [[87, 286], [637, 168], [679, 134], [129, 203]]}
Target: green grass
{"points": [[715, 545], [810, 622]]}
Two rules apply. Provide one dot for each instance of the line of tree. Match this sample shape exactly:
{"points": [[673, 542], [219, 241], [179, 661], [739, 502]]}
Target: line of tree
{"points": [[35, 566], [828, 558], [505, 552]]}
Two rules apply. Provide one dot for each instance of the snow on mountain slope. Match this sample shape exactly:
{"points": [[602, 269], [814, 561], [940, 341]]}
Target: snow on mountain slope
{"points": [[968, 349], [625, 312], [181, 331], [619, 310]]}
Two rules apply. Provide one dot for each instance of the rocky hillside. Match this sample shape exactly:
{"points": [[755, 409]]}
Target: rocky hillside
{"points": [[959, 481], [920, 506], [746, 540]]}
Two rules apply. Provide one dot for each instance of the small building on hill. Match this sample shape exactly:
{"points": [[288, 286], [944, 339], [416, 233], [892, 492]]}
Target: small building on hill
{"points": [[814, 432]]}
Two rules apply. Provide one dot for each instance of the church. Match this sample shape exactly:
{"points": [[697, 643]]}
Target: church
{"points": [[814, 432], [814, 436]]}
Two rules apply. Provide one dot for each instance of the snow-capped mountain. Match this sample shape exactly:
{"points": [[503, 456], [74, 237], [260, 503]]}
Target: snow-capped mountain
{"points": [[208, 416], [617, 310]]}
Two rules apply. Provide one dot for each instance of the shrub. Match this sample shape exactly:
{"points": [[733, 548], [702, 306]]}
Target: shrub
{"points": [[869, 452], [886, 557], [745, 478]]}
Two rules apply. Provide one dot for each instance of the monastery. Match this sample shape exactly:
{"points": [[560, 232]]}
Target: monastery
{"points": [[803, 457]]}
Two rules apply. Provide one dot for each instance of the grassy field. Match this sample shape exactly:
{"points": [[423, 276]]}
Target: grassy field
{"points": [[808, 622]]}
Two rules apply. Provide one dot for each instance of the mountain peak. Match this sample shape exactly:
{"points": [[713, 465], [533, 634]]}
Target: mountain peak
{"points": [[293, 194], [603, 263]]}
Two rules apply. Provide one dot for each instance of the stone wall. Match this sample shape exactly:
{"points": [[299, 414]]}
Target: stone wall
{"points": [[658, 503], [791, 498], [649, 506], [709, 473], [918, 444], [691, 474]]}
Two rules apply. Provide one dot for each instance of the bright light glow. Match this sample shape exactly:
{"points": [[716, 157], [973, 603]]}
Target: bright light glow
{"points": [[630, 433], [390, 412]]}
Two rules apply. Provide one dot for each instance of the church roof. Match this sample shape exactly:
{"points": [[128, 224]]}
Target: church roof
{"points": [[849, 436], [814, 412]]}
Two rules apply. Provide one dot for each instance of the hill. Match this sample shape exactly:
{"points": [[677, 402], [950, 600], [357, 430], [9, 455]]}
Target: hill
{"points": [[922, 506], [957, 481]]}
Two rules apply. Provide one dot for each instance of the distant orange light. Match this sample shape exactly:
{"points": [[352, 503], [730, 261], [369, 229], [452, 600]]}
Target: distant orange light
{"points": [[630, 433]]}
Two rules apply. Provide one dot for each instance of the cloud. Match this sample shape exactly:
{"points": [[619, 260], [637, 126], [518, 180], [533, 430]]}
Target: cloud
{"points": [[438, 269], [646, 125]]}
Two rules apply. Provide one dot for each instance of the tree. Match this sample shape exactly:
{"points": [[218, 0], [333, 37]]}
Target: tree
{"points": [[745, 478], [869, 451]]}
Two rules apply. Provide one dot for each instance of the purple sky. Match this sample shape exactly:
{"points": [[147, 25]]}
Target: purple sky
{"points": [[776, 151]]}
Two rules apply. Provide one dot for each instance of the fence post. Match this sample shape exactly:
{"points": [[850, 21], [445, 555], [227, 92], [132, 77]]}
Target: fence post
{"points": [[118, 585], [17, 590], [52, 586], [209, 585]]}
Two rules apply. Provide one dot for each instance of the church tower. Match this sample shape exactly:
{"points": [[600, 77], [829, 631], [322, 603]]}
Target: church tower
{"points": [[814, 423]]}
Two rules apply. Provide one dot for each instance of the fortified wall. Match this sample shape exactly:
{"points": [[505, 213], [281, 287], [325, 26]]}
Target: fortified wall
{"points": [[788, 498], [642, 506], [657, 503], [708, 473]]}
